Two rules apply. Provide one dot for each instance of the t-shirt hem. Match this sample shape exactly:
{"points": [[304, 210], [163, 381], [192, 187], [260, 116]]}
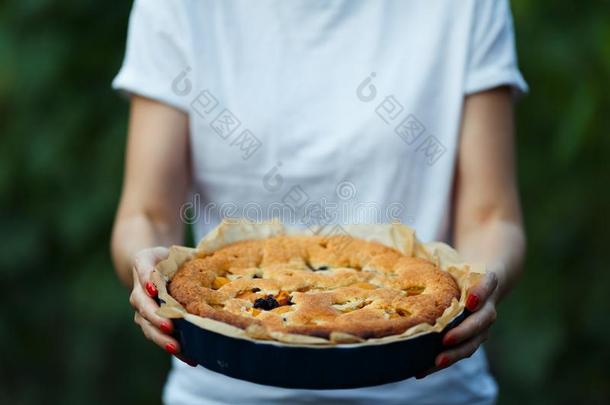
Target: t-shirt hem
{"points": [[127, 85], [494, 79]]}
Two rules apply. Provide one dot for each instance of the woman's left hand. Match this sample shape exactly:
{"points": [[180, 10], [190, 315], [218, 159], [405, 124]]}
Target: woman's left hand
{"points": [[463, 340]]}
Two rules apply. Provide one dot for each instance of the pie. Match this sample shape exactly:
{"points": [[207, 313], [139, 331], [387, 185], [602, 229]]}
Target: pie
{"points": [[314, 285]]}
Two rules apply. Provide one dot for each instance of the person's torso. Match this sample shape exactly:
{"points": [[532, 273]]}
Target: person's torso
{"points": [[351, 105]]}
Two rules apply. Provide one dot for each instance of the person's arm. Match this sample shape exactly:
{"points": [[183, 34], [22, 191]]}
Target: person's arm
{"points": [[157, 174], [487, 215]]}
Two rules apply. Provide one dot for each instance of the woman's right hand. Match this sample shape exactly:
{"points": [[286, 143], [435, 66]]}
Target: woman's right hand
{"points": [[156, 328]]}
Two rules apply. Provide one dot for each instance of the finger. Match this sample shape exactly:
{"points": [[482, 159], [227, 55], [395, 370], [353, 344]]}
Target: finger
{"points": [[153, 334], [147, 308], [462, 351], [167, 343], [438, 365], [449, 357], [474, 324], [149, 287], [145, 261], [479, 293]]}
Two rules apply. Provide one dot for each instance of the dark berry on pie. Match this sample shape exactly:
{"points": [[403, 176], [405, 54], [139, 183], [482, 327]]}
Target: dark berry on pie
{"points": [[267, 303]]}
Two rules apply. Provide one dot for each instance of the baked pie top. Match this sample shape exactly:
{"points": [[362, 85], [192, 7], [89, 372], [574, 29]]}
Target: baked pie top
{"points": [[314, 285]]}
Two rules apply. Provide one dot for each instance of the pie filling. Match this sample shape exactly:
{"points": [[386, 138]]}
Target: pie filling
{"points": [[314, 285]]}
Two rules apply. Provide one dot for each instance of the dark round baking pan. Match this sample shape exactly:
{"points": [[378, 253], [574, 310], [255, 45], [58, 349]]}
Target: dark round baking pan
{"points": [[334, 367]]}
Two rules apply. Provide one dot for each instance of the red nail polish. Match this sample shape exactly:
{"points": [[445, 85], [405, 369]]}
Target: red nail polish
{"points": [[166, 327], [151, 290], [171, 348], [472, 302], [449, 341], [443, 361]]}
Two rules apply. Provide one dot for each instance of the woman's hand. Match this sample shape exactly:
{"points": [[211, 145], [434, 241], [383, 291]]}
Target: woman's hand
{"points": [[154, 327], [463, 340]]}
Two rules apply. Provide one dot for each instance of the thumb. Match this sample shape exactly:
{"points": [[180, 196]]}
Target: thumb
{"points": [[145, 261]]}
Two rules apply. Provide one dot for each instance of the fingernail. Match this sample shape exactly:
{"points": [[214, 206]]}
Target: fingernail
{"points": [[151, 290], [166, 327], [171, 348], [472, 302], [449, 341], [443, 361]]}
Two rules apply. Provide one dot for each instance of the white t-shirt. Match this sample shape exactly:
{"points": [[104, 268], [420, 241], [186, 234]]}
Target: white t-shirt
{"points": [[322, 112]]}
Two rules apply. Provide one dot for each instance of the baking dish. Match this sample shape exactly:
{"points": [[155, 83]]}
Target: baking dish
{"points": [[294, 361]]}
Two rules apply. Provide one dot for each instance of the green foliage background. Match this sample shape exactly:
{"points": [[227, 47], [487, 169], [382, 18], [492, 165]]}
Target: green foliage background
{"points": [[66, 331]]}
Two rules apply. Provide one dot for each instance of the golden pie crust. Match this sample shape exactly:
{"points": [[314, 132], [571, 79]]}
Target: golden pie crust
{"points": [[316, 286]]}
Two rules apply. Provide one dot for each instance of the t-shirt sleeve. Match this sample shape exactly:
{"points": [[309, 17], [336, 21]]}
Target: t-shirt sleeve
{"points": [[155, 54], [492, 59]]}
